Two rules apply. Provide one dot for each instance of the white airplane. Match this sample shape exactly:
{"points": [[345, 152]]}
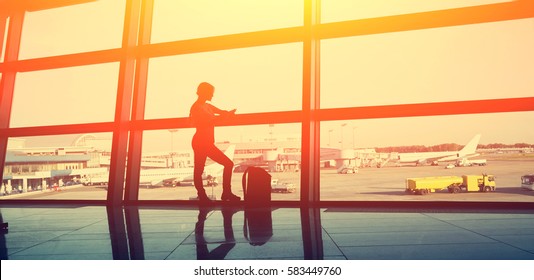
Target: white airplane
{"points": [[467, 151], [182, 176]]}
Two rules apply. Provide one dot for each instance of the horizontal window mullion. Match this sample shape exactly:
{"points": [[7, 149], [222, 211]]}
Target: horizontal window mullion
{"points": [[432, 19], [63, 61], [240, 119], [252, 39], [225, 42], [429, 109], [58, 129]]}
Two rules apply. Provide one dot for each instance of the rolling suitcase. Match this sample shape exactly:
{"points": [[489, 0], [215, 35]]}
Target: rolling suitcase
{"points": [[256, 187]]}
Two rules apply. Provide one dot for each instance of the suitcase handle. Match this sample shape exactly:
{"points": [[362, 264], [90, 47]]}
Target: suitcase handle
{"points": [[244, 183]]}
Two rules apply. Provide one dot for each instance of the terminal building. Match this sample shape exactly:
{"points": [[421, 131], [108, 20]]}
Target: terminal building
{"points": [[34, 168], [38, 168]]}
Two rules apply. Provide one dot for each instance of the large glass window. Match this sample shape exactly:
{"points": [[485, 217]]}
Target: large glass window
{"points": [[188, 19], [96, 25], [482, 61], [65, 96], [168, 160], [372, 159], [62, 167], [260, 79], [456, 62]]}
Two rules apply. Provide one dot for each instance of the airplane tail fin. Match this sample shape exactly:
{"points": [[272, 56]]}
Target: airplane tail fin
{"points": [[471, 147], [216, 168], [230, 151]]}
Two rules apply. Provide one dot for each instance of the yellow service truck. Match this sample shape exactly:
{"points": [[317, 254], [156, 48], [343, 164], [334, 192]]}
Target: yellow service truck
{"points": [[454, 184]]}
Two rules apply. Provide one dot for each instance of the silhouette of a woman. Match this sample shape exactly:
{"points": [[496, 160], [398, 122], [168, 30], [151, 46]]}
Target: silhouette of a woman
{"points": [[203, 117]]}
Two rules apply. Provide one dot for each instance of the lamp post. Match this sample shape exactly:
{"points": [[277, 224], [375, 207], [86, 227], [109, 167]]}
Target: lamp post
{"points": [[341, 141], [172, 131], [271, 134], [354, 137]]}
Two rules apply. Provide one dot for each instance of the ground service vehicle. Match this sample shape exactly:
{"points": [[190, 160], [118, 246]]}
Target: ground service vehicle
{"points": [[527, 182], [277, 187], [347, 169], [95, 181], [426, 185], [450, 166], [454, 184]]}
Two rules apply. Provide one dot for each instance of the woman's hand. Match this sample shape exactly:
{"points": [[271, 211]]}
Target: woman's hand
{"points": [[227, 114]]}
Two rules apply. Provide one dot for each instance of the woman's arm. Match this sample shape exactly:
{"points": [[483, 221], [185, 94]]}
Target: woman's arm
{"points": [[219, 111]]}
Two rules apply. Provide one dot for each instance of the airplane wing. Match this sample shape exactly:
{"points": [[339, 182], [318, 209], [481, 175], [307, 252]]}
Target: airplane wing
{"points": [[456, 157], [158, 181], [420, 158], [174, 176], [166, 181]]}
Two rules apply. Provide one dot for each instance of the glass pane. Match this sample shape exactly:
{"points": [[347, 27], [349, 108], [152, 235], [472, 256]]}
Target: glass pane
{"points": [[187, 19], [65, 96], [64, 167], [261, 79], [341, 10], [79, 28], [426, 147], [167, 161], [480, 61], [3, 39]]}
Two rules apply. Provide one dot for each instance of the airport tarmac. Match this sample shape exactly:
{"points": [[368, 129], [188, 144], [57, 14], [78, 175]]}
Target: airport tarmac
{"points": [[369, 184]]}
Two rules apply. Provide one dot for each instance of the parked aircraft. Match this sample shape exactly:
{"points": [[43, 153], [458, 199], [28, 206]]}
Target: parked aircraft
{"points": [[467, 151], [182, 176]]}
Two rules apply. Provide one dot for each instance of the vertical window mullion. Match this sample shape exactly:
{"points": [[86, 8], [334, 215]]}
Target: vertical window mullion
{"points": [[123, 106], [138, 109], [310, 105], [7, 83]]}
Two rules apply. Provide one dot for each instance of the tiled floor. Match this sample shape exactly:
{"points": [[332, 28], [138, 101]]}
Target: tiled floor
{"points": [[100, 233]]}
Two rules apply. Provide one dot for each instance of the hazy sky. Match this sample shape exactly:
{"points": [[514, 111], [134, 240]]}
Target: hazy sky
{"points": [[482, 61]]}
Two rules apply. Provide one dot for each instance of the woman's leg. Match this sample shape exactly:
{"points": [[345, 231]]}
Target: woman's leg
{"points": [[218, 156], [200, 161]]}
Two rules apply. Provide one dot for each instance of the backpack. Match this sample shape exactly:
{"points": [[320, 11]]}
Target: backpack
{"points": [[256, 187]]}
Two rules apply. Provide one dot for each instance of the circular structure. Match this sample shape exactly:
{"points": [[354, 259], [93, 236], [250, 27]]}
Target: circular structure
{"points": [[81, 140]]}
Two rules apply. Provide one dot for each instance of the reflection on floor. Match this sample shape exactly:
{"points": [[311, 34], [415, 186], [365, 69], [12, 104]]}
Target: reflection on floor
{"points": [[100, 233]]}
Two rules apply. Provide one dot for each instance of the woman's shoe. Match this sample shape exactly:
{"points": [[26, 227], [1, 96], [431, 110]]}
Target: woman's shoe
{"points": [[230, 197]]}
